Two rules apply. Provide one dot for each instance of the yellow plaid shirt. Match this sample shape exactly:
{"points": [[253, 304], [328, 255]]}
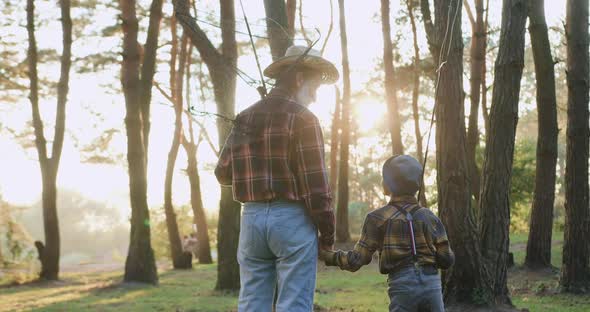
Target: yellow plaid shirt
{"points": [[386, 230]]}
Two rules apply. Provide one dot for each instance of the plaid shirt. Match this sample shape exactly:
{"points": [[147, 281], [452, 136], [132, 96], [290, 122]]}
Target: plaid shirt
{"points": [[276, 151], [386, 230]]}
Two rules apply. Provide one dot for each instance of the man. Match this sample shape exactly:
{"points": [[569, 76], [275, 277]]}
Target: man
{"points": [[274, 160]]}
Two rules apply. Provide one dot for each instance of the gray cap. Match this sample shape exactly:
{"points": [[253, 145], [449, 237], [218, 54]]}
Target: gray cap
{"points": [[402, 174]]}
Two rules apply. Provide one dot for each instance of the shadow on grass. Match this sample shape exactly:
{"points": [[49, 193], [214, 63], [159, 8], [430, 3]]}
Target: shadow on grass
{"points": [[178, 290]]}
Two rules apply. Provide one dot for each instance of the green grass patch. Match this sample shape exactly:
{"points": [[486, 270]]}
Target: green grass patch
{"points": [[193, 290]]}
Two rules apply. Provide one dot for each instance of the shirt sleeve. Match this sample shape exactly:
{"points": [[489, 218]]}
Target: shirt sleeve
{"points": [[223, 170], [445, 257], [312, 176], [363, 251]]}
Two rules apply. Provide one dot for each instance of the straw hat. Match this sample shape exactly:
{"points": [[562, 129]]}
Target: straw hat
{"points": [[313, 60]]}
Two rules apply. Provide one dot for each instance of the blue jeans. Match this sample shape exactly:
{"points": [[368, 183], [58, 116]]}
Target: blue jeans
{"points": [[278, 248], [410, 290]]}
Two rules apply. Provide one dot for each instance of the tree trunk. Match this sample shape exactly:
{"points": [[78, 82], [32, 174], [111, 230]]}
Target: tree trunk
{"points": [[199, 216], [222, 68], [148, 69], [477, 53], [575, 270], [467, 282], [389, 83], [416, 95], [494, 204], [140, 265], [50, 255], [538, 252], [291, 9], [342, 230], [180, 260], [200, 219], [277, 25], [484, 84], [334, 142], [50, 252]]}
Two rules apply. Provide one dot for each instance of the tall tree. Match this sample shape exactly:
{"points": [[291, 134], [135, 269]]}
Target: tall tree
{"points": [[389, 83], [342, 230], [468, 278], [538, 251], [136, 79], [180, 260], [278, 27], [416, 92], [575, 270], [49, 252], [191, 147], [222, 68], [494, 203], [477, 54]]}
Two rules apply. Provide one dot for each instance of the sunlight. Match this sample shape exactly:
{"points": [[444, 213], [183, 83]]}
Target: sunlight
{"points": [[368, 112]]}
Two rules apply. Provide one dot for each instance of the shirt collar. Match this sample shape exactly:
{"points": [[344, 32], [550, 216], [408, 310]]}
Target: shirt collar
{"points": [[403, 199], [282, 93]]}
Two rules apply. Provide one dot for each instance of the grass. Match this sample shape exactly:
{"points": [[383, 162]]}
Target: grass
{"points": [[192, 290]]}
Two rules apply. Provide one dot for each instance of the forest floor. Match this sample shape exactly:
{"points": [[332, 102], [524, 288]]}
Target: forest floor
{"points": [[192, 290]]}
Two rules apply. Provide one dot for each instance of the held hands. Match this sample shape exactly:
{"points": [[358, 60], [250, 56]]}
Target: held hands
{"points": [[328, 255]]}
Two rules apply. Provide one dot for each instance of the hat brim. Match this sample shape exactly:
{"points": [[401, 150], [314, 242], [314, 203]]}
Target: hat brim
{"points": [[327, 69]]}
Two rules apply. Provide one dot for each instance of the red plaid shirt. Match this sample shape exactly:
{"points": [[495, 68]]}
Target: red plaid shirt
{"points": [[276, 151]]}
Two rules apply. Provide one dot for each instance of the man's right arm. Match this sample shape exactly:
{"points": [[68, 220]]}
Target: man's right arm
{"points": [[312, 176]]}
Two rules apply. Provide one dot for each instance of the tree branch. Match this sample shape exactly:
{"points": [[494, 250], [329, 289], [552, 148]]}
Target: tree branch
{"points": [[63, 85], [207, 137], [163, 92], [429, 28], [34, 84], [207, 50], [469, 13], [148, 67], [309, 41], [329, 28]]}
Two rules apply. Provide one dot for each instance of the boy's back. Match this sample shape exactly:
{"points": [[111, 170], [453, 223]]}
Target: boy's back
{"points": [[387, 230]]}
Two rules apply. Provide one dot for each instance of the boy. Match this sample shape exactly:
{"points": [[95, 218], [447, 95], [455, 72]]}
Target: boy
{"points": [[411, 241]]}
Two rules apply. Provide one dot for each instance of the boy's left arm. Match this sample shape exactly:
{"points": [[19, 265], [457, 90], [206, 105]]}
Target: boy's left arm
{"points": [[363, 251]]}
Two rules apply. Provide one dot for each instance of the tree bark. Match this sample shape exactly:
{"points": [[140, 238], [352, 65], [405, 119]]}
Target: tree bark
{"points": [[538, 252], [148, 69], [342, 230], [179, 258], [416, 95], [290, 11], [477, 53], [335, 141], [389, 83], [140, 265], [484, 85], [199, 216], [575, 270], [50, 252], [467, 282], [494, 204], [222, 68], [278, 27]]}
